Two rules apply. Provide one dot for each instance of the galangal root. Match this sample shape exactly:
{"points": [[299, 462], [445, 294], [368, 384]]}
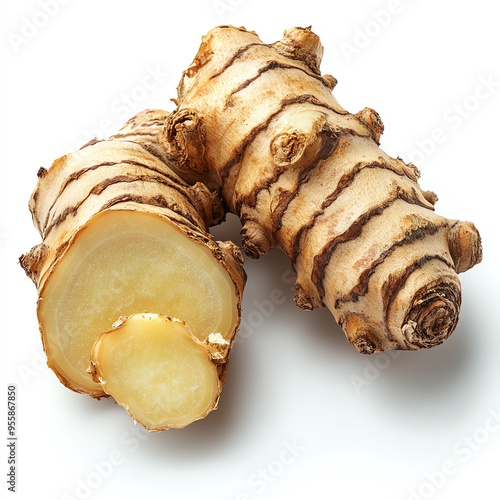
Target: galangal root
{"points": [[258, 122], [124, 236]]}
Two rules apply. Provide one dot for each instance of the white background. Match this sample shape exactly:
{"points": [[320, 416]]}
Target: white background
{"points": [[302, 414]]}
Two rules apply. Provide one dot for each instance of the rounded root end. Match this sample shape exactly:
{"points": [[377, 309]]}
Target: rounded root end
{"points": [[306, 137], [365, 345], [254, 239], [303, 299], [363, 336], [303, 44], [465, 246], [371, 119], [433, 316], [32, 261], [183, 138], [286, 148]]}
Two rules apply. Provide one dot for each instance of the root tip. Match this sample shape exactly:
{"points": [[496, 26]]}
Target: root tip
{"points": [[433, 317], [465, 246], [364, 345]]}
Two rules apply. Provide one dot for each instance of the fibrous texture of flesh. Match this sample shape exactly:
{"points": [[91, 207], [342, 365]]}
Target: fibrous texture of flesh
{"points": [[158, 370]]}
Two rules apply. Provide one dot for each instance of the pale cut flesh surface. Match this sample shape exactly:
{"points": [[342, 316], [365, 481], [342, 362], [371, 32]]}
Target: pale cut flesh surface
{"points": [[157, 370], [121, 263]]}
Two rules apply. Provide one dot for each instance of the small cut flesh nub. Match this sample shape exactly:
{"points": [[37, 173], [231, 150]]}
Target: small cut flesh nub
{"points": [[157, 370]]}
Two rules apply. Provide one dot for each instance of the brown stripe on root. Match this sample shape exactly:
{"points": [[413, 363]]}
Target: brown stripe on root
{"points": [[99, 188], [237, 55], [415, 233], [345, 181], [322, 260], [273, 66], [76, 175]]}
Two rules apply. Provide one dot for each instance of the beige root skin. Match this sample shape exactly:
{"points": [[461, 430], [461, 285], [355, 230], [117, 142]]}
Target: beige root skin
{"points": [[159, 371], [305, 175], [123, 234]]}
